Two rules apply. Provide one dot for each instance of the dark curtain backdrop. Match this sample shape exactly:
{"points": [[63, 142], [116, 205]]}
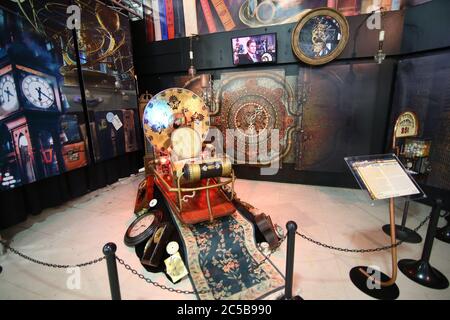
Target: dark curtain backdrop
{"points": [[32, 198]]}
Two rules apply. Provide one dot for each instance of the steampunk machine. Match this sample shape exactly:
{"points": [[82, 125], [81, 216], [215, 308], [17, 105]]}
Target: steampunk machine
{"points": [[197, 182]]}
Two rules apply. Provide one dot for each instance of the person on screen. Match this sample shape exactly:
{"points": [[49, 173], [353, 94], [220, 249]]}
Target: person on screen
{"points": [[250, 57]]}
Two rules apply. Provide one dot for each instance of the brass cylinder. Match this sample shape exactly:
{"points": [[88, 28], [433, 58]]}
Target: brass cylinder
{"points": [[216, 167]]}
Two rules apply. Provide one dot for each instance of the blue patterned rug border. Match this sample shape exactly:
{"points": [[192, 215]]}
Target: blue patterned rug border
{"points": [[196, 275]]}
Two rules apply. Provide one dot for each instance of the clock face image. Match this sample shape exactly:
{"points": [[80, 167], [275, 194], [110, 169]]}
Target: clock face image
{"points": [[8, 95], [38, 91], [143, 225]]}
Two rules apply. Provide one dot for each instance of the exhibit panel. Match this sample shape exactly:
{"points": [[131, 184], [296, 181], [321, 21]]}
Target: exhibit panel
{"points": [[338, 113], [46, 143], [109, 80], [170, 19], [43, 131], [423, 87]]}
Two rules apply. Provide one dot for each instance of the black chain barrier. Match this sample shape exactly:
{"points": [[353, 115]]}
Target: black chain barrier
{"points": [[321, 244], [164, 287], [52, 265], [156, 284]]}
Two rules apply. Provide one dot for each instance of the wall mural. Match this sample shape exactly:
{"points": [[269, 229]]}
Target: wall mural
{"points": [[43, 130], [109, 80], [175, 18], [338, 102], [423, 87], [252, 104]]}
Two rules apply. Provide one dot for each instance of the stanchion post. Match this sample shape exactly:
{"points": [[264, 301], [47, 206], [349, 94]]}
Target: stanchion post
{"points": [[421, 271], [109, 250], [291, 227], [431, 232], [443, 233]]}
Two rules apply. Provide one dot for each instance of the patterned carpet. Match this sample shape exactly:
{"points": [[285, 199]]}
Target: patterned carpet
{"points": [[223, 260]]}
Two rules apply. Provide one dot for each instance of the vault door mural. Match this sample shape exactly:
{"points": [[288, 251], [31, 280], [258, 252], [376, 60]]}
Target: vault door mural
{"points": [[337, 113], [423, 86], [253, 104]]}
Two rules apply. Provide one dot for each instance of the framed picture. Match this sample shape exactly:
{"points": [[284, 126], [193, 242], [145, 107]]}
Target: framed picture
{"points": [[320, 36]]}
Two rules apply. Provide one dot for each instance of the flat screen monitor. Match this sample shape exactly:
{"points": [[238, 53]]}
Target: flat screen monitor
{"points": [[254, 49]]}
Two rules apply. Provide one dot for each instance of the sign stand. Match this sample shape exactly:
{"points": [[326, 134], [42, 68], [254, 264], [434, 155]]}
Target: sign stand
{"points": [[384, 177]]}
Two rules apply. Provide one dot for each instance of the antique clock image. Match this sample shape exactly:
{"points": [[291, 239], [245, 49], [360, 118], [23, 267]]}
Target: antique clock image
{"points": [[30, 108], [39, 90], [8, 93]]}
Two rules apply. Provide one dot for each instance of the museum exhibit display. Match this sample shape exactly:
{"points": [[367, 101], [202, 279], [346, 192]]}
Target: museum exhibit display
{"points": [[224, 150]]}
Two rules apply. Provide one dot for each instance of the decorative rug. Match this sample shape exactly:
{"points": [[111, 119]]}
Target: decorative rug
{"points": [[223, 259]]}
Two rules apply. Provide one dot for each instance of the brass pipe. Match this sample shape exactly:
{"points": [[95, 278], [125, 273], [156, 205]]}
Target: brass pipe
{"points": [[232, 188], [393, 278], [211, 218], [171, 189], [180, 199]]}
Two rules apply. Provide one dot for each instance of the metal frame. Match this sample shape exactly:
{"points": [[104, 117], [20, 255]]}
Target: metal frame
{"points": [[179, 189]]}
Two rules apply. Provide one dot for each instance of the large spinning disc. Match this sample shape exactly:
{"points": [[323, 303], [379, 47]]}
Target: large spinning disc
{"points": [[171, 109]]}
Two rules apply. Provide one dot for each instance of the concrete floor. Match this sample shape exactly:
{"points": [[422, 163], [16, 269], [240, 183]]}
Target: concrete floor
{"points": [[76, 232]]}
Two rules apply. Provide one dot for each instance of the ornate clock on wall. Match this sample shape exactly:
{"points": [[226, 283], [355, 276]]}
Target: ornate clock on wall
{"points": [[320, 36]]}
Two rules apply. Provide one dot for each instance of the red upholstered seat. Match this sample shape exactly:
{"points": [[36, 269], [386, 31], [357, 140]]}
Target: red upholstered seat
{"points": [[195, 210]]}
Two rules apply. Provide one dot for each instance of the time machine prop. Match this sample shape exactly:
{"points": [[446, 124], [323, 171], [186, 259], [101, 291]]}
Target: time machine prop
{"points": [[197, 183]]}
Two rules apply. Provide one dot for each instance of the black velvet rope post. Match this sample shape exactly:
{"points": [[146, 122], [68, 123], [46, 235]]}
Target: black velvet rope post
{"points": [[421, 271], [291, 227], [443, 233], [109, 250]]}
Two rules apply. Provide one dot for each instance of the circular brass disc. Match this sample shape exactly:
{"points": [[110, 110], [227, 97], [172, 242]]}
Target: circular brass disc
{"points": [[171, 109]]}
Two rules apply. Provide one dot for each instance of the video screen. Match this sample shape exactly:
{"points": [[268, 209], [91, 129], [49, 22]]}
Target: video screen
{"points": [[254, 49]]}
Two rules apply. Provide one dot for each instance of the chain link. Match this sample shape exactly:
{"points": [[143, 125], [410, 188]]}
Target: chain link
{"points": [[170, 289], [161, 286], [52, 265], [321, 244], [156, 284]]}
